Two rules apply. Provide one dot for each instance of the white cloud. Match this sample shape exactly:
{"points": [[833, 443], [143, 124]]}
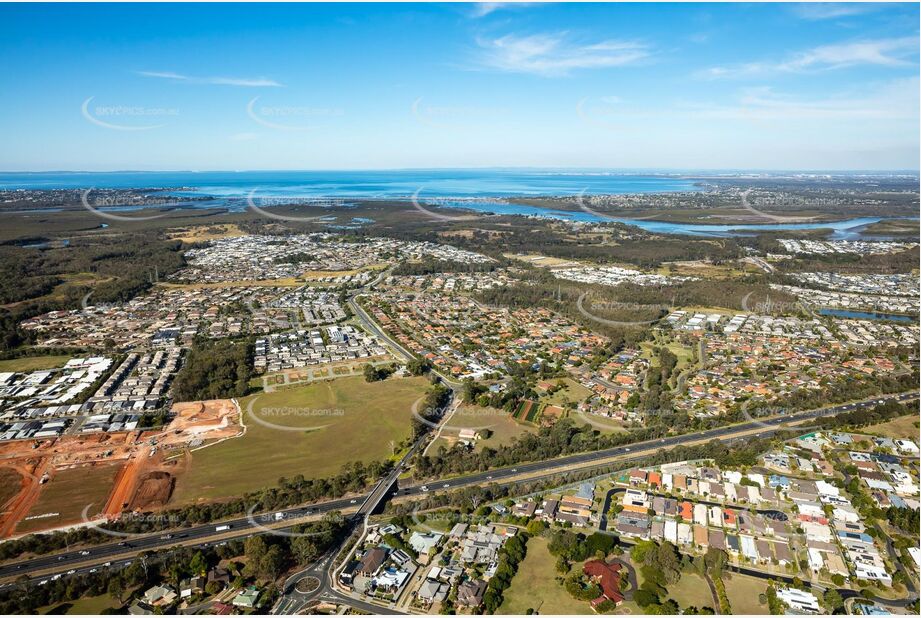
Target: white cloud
{"points": [[552, 55], [482, 9], [257, 82], [894, 52], [817, 11], [892, 101]]}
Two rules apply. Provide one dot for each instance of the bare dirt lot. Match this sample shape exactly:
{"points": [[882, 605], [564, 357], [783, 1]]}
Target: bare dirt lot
{"points": [[48, 483]]}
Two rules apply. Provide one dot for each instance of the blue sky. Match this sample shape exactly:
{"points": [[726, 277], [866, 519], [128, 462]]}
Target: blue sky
{"points": [[224, 87]]}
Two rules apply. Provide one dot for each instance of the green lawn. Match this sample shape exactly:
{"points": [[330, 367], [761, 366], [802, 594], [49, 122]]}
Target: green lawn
{"points": [[68, 493], [691, 590], [83, 606], [743, 591], [535, 586], [33, 363], [683, 353], [573, 392], [343, 420]]}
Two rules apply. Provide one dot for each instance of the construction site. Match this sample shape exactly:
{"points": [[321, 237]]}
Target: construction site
{"points": [[72, 480]]}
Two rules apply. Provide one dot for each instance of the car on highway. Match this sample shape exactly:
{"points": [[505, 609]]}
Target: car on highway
{"points": [[424, 488]]}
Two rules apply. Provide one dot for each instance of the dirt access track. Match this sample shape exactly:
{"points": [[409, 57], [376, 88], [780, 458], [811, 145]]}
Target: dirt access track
{"points": [[148, 460]]}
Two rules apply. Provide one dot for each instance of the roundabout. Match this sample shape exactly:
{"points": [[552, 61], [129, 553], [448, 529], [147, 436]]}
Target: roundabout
{"points": [[308, 585]]}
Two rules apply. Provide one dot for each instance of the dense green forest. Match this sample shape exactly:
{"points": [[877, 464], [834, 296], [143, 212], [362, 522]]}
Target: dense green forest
{"points": [[214, 370], [431, 266]]}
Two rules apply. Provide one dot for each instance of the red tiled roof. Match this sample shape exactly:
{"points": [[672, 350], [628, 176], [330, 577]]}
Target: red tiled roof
{"points": [[608, 576]]}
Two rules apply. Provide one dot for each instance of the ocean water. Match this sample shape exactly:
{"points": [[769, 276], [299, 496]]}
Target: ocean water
{"points": [[360, 184]]}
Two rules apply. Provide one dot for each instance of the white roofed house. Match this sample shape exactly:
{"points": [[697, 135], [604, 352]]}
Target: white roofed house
{"points": [[700, 514], [907, 446], [716, 516], [671, 531], [799, 600], [845, 513], [816, 531], [685, 534], [749, 550], [827, 489], [422, 542]]}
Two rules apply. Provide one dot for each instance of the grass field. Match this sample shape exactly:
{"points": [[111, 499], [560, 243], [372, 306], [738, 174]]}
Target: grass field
{"points": [[682, 353], [33, 363], [535, 586], [691, 590], [743, 591], [902, 427], [68, 493], [83, 606], [541, 261], [573, 392], [343, 420], [9, 484], [502, 426], [712, 271], [201, 233]]}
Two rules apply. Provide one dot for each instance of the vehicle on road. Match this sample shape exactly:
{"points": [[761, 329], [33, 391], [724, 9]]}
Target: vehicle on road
{"points": [[222, 528]]}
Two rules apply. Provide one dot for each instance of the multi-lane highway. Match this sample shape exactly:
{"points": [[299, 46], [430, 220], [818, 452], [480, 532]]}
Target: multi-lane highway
{"points": [[121, 549]]}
